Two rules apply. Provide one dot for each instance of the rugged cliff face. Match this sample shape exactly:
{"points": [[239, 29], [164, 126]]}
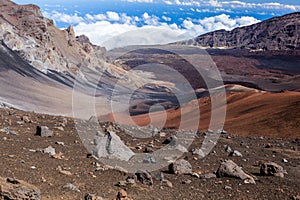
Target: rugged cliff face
{"points": [[25, 30], [279, 33]]}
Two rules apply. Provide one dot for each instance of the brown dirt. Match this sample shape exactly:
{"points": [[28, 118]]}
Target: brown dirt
{"points": [[248, 113]]}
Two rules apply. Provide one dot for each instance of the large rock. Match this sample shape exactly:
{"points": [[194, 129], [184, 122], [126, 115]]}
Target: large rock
{"points": [[180, 167], [111, 146], [17, 189], [229, 169], [43, 131], [271, 169]]}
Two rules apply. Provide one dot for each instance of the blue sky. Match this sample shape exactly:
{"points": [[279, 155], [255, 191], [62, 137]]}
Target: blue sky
{"points": [[158, 21]]}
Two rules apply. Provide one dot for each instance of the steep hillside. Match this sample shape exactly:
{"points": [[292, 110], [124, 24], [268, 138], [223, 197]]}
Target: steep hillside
{"points": [[279, 33]]}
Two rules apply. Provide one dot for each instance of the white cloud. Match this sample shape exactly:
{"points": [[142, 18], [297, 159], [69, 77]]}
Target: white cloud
{"points": [[62, 17], [118, 29], [112, 16], [110, 35], [167, 19], [232, 4]]}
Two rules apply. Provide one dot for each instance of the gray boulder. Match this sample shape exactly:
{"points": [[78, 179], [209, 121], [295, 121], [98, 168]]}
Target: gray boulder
{"points": [[180, 167], [111, 146], [43, 131], [229, 169]]}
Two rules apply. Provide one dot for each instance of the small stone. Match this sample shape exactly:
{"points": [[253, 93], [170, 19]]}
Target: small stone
{"points": [[43, 131], [149, 159], [60, 143], [122, 195], [149, 150], [171, 141], [50, 150], [236, 153], [228, 149], [158, 176], [8, 131], [198, 152], [144, 177], [162, 134], [271, 169], [92, 197], [72, 187], [227, 187], [167, 183], [26, 119], [187, 182], [60, 128], [180, 167], [208, 176], [33, 167], [296, 197], [285, 160]]}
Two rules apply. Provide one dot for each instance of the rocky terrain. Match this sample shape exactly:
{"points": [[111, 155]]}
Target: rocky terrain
{"points": [[59, 167], [278, 33]]}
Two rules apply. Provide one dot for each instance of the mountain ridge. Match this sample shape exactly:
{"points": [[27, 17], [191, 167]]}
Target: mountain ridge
{"points": [[278, 33]]}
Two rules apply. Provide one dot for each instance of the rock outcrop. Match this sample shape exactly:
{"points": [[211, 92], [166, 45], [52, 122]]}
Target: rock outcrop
{"points": [[279, 33], [17, 189], [24, 29]]}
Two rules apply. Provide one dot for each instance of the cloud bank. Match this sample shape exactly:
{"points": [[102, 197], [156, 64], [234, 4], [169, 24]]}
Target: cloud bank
{"points": [[113, 29]]}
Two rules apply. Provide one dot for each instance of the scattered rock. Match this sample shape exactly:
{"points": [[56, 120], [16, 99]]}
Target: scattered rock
{"points": [[285, 160], [180, 167], [17, 189], [171, 141], [60, 143], [186, 182], [122, 195], [26, 119], [43, 131], [149, 159], [60, 128], [236, 153], [50, 150], [208, 176], [158, 176], [144, 177], [149, 150], [65, 172], [167, 183], [271, 169], [72, 187], [198, 152], [162, 134], [229, 169], [226, 187], [7, 131], [296, 197], [228, 149], [92, 197]]}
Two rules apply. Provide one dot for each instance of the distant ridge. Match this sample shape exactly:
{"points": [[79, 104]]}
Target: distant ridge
{"points": [[278, 33]]}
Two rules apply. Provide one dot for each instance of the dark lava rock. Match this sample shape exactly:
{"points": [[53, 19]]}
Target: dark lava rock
{"points": [[271, 169]]}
